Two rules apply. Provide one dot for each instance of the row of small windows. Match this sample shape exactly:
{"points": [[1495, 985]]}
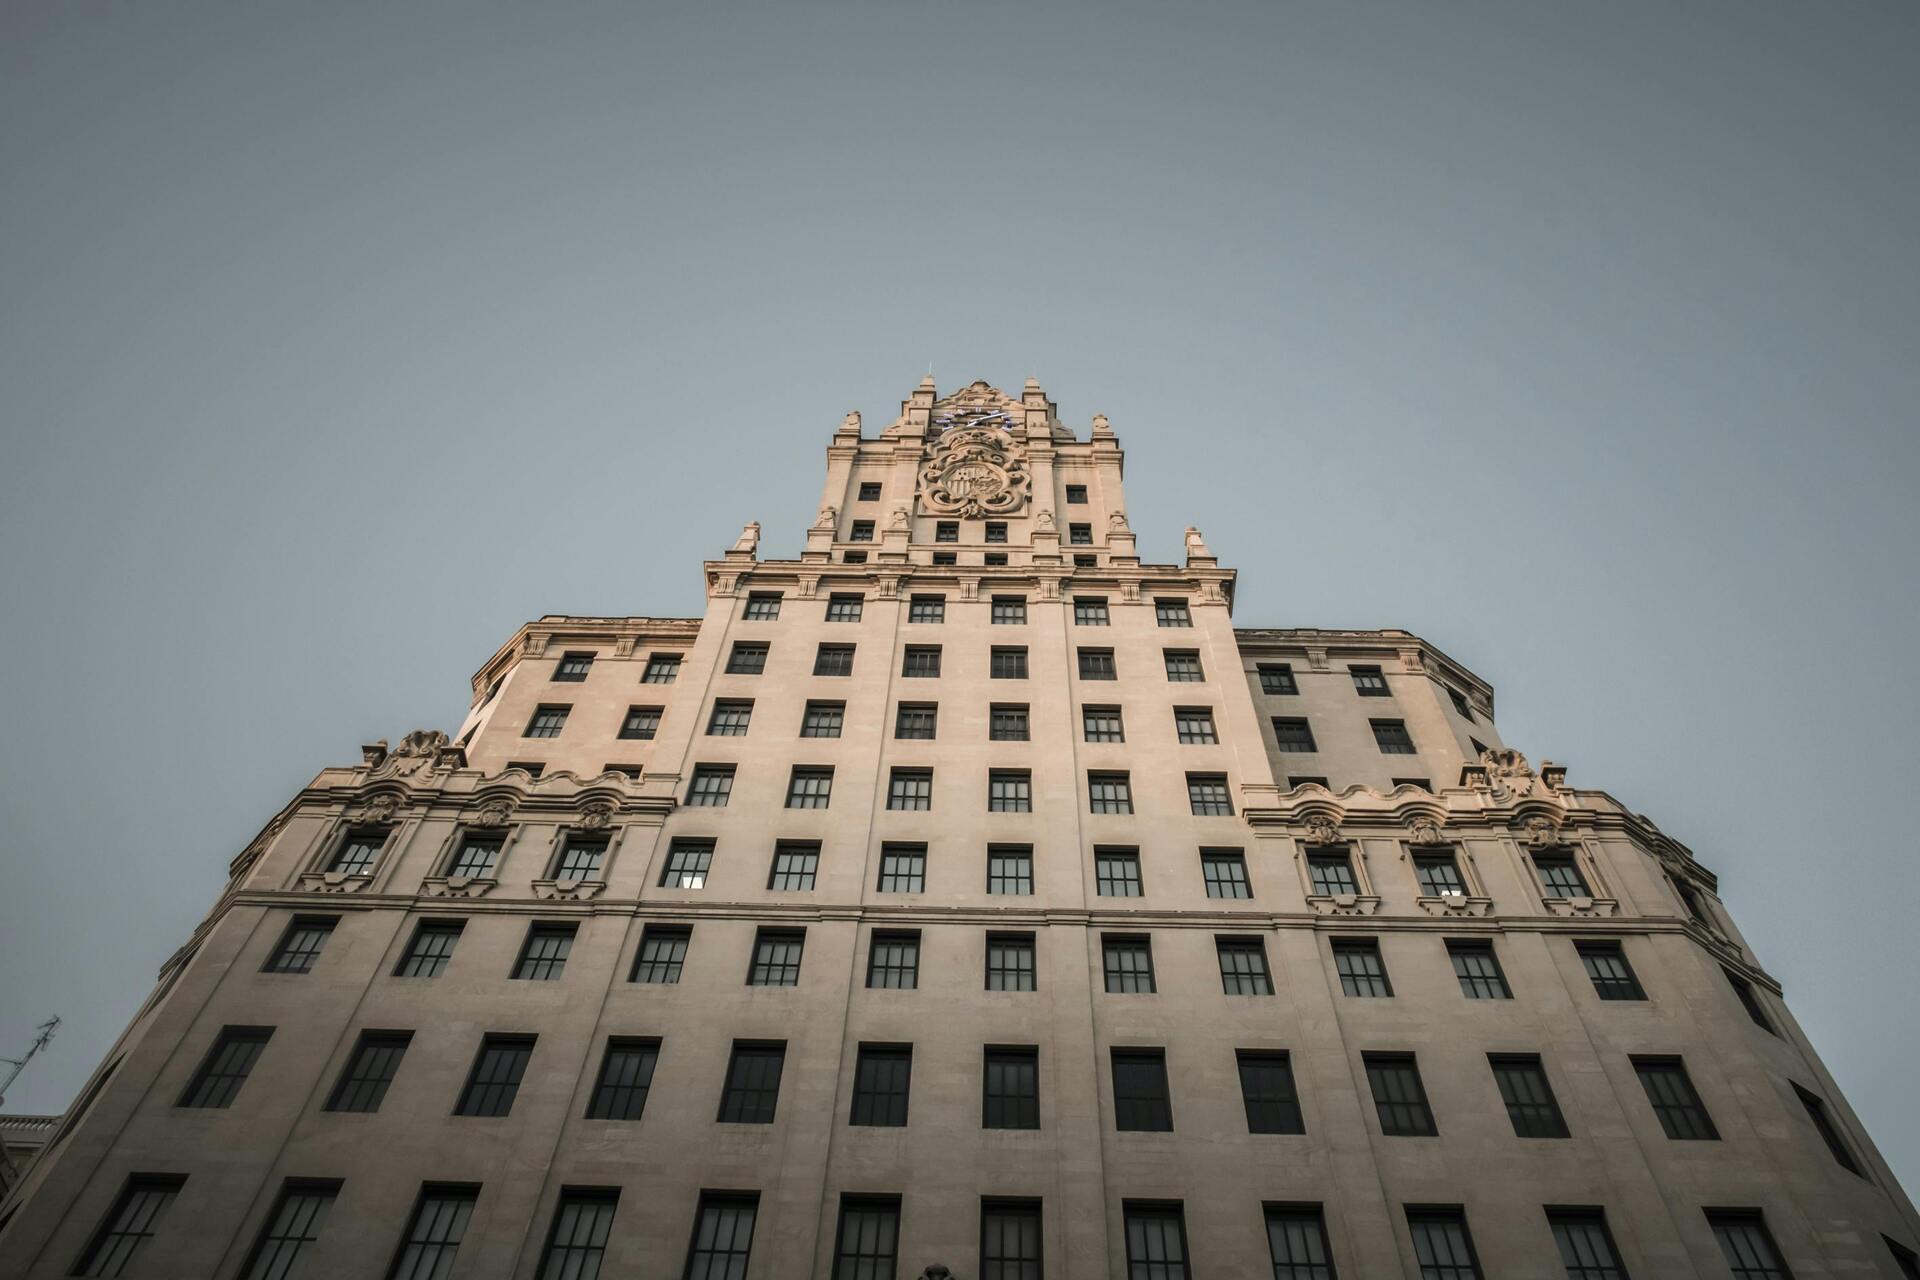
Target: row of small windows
{"points": [[1008, 790], [894, 954], [870, 492], [1277, 678], [1142, 1097], [868, 1231]]}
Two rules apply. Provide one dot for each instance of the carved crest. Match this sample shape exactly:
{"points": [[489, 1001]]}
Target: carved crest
{"points": [[1321, 828], [596, 815], [974, 467], [1540, 831], [494, 813], [378, 810], [1508, 774], [1423, 828]]}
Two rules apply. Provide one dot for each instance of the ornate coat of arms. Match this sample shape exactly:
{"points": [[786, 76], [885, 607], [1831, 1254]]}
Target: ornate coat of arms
{"points": [[974, 467]]}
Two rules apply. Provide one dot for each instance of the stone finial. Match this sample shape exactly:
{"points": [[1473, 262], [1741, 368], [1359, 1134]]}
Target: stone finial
{"points": [[748, 543], [828, 517], [850, 425], [1102, 429], [1196, 546]]}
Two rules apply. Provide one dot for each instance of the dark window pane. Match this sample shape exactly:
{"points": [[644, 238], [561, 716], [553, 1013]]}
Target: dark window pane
{"points": [[1010, 962], [301, 945], [133, 1220], [1747, 1245], [1010, 1241], [795, 865], [1010, 869], [1478, 970], [1277, 678], [1368, 682], [577, 1244], [226, 1067], [810, 788], [711, 787], [1829, 1132], [1398, 1095], [1292, 733], [833, 660], [1560, 876], [1011, 1089], [867, 1244], [1529, 1097], [495, 1079], [731, 718], [1090, 611], [1009, 723], [291, 1231], [663, 950], [921, 661], [893, 961], [1140, 1100], [476, 857], [1585, 1244], [662, 668], [1102, 724], [375, 1061], [776, 958], [432, 1242], [823, 719], [1243, 967], [1009, 791], [626, 1073], [1194, 725], [1225, 873], [1172, 613], [357, 853], [1331, 873], [1362, 971], [1208, 796], [1128, 962], [688, 862], [581, 858], [1009, 610], [722, 1237], [1267, 1089], [910, 789], [749, 658], [882, 1078], [1183, 666], [753, 1084], [916, 720], [762, 606], [1441, 1244], [1670, 1092], [844, 608], [641, 722], [1116, 873], [1096, 664], [431, 948], [1606, 964], [1439, 875], [903, 868], [547, 722], [1297, 1238], [1006, 662], [1109, 793], [1392, 737], [1156, 1242]]}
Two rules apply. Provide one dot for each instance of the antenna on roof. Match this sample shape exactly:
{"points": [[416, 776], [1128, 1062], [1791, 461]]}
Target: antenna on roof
{"points": [[19, 1064]]}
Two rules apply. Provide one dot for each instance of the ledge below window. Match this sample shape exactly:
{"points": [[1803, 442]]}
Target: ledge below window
{"points": [[1344, 904], [1455, 904], [568, 890], [457, 886]]}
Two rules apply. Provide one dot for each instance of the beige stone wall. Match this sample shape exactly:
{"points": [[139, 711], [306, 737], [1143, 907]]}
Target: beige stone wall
{"points": [[1495, 813]]}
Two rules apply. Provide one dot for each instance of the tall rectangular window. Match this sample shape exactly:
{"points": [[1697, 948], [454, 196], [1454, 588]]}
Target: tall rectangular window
{"points": [[1747, 1245], [577, 1243], [910, 789], [1128, 962], [688, 862], [476, 856], [722, 1243], [893, 960], [1010, 1094], [1331, 873], [1560, 876], [495, 1079], [1010, 1240], [434, 1233], [867, 1244], [1172, 613], [1607, 967], [730, 718], [663, 953], [916, 720], [1007, 662], [134, 1219], [1368, 682], [844, 608], [1140, 1099], [1829, 1132], [544, 956], [1225, 873], [226, 1067], [1243, 967], [1194, 725], [626, 1073], [927, 609], [1477, 969], [375, 1061], [795, 865], [432, 946], [753, 1083], [1009, 791], [1156, 1241], [1109, 793], [1439, 875], [776, 958], [1750, 1001], [1392, 738], [762, 606], [1090, 611], [1208, 796], [1671, 1093], [1297, 1239], [357, 853], [810, 787], [641, 723], [903, 868], [1183, 666], [921, 662], [1102, 724], [711, 787], [548, 720], [1531, 1106], [749, 658], [1362, 971], [1399, 1098], [1586, 1246], [1277, 678], [1009, 611], [1010, 869], [1116, 873], [833, 660], [1097, 664], [301, 944], [1010, 962], [661, 668], [1441, 1243], [581, 858], [292, 1230], [823, 719], [1294, 734], [882, 1076], [1008, 722], [1268, 1093]]}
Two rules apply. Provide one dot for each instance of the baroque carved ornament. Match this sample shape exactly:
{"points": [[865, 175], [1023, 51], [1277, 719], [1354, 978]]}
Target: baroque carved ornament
{"points": [[974, 466], [494, 813]]}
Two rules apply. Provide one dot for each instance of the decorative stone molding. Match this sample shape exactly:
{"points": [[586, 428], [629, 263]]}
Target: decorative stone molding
{"points": [[1508, 775], [421, 750], [595, 815], [974, 467], [567, 890], [1455, 905], [1538, 830], [1582, 908], [535, 644], [457, 886], [493, 812], [1344, 904], [1319, 822], [333, 882], [1553, 776], [376, 810]]}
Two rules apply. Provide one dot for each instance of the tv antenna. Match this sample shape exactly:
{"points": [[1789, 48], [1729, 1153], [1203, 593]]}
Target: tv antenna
{"points": [[17, 1065]]}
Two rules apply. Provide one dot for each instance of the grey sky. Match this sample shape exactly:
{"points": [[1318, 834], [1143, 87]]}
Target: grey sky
{"points": [[336, 340]]}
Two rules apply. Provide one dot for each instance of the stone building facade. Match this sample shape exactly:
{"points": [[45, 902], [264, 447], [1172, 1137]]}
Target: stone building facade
{"points": [[965, 891]]}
